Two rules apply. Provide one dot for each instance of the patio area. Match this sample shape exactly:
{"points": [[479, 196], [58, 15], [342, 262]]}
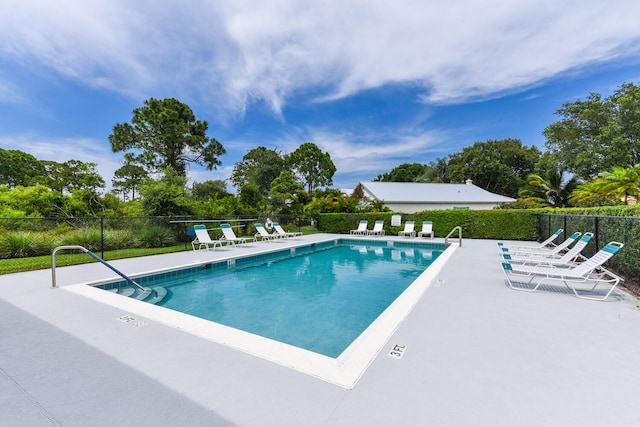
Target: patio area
{"points": [[476, 353]]}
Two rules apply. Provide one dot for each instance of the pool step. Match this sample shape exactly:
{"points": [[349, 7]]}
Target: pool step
{"points": [[127, 292], [157, 296], [151, 295]]}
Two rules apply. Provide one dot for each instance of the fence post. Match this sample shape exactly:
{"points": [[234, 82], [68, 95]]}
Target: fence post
{"points": [[102, 237], [597, 231]]}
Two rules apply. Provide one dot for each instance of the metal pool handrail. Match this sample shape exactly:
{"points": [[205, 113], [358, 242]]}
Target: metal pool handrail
{"points": [[457, 227], [96, 257]]}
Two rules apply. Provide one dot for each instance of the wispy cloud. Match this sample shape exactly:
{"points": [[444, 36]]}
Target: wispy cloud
{"points": [[236, 52]]}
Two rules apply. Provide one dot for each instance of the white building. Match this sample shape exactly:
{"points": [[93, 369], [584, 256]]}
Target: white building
{"points": [[412, 197]]}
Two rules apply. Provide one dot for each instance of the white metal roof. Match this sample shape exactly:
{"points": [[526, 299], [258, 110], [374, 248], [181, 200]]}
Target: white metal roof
{"points": [[416, 192]]}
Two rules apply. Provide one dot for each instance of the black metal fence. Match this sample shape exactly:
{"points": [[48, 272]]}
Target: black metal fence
{"points": [[605, 229], [25, 237]]}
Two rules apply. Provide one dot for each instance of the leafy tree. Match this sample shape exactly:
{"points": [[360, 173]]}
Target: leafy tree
{"points": [[500, 166], [212, 189], [406, 172], [331, 203], [251, 199], [221, 205], [259, 166], [83, 176], [287, 195], [598, 133], [72, 175], [312, 165], [167, 134], [627, 101], [19, 168], [129, 177], [167, 196], [435, 171], [33, 201]]}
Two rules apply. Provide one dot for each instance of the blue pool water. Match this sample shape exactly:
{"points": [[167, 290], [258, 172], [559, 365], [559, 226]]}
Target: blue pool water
{"points": [[319, 299]]}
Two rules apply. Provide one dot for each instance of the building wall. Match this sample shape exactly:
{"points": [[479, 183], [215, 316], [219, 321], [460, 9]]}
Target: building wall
{"points": [[419, 207]]}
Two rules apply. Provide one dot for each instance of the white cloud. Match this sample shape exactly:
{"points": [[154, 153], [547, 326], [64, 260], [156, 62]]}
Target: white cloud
{"points": [[231, 53]]}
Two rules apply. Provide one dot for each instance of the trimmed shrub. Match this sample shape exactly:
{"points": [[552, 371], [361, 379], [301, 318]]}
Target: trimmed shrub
{"points": [[489, 224]]}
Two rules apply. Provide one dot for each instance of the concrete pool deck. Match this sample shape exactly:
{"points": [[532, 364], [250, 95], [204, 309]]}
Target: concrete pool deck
{"points": [[476, 353]]}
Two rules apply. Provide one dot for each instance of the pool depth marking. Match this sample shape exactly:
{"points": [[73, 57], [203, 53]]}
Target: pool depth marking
{"points": [[397, 351]]}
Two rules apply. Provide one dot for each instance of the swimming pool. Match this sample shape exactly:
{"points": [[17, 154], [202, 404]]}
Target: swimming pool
{"points": [[319, 298], [348, 366]]}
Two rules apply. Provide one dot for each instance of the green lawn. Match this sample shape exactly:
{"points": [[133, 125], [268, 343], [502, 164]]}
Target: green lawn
{"points": [[16, 265]]}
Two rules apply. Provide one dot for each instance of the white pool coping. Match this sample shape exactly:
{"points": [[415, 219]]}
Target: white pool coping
{"points": [[343, 371]]}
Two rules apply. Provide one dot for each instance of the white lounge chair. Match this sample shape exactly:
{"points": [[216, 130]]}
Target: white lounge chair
{"points": [[589, 271], [545, 244], [568, 259], [408, 230], [377, 230], [546, 250], [362, 228], [263, 234], [285, 234], [427, 229], [230, 237], [203, 239]]}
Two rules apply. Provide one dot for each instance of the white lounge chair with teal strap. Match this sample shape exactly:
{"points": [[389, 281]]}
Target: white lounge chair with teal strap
{"points": [[568, 259], [203, 239], [427, 229], [263, 234], [545, 244], [588, 272], [230, 237], [544, 251], [362, 228], [377, 230], [408, 230], [285, 234]]}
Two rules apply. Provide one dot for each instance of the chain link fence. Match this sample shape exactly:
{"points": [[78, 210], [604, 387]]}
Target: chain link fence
{"points": [[606, 229], [28, 237]]}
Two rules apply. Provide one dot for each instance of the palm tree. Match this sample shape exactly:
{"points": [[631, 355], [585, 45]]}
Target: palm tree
{"points": [[551, 191], [588, 194], [620, 183]]}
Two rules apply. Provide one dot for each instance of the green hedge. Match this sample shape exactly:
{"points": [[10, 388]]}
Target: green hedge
{"points": [[489, 224], [619, 228]]}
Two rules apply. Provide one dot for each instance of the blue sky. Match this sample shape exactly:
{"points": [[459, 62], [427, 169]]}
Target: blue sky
{"points": [[374, 83]]}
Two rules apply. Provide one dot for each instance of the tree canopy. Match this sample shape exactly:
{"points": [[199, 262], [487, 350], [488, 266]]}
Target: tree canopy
{"points": [[598, 133], [406, 172], [19, 168], [128, 178], [500, 166], [166, 134], [312, 165], [259, 166]]}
